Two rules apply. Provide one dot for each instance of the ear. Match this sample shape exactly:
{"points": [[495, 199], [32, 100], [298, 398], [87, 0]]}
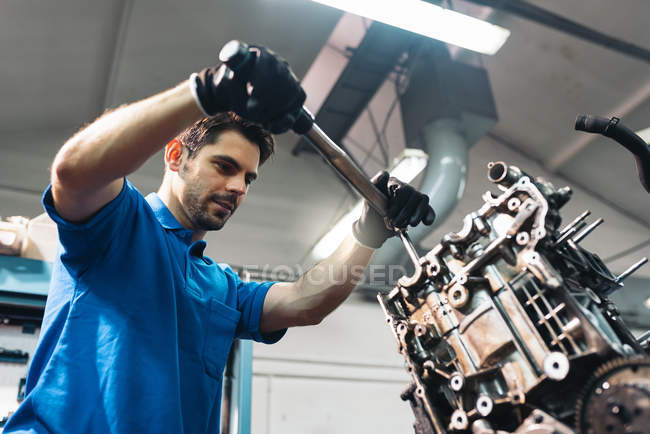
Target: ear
{"points": [[173, 153]]}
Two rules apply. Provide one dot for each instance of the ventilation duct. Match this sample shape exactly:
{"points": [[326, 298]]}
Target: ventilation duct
{"points": [[447, 107]]}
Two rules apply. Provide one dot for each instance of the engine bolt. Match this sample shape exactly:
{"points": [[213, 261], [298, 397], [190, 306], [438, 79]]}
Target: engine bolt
{"points": [[522, 238], [456, 382], [484, 405]]}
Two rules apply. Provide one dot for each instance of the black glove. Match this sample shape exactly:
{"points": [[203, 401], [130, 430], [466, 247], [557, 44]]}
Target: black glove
{"points": [[265, 91], [406, 206]]}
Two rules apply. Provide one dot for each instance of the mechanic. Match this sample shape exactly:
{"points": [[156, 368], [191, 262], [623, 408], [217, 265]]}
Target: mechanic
{"points": [[138, 322]]}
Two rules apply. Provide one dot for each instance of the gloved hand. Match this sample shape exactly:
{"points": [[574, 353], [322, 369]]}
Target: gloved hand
{"points": [[265, 91], [406, 206]]}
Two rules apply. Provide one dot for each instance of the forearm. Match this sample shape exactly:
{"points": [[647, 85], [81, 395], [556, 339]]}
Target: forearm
{"points": [[318, 292], [326, 285], [120, 141]]}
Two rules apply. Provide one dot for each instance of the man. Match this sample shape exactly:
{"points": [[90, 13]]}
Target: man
{"points": [[139, 322]]}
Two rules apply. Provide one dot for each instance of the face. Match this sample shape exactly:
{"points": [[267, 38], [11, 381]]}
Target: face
{"points": [[216, 180]]}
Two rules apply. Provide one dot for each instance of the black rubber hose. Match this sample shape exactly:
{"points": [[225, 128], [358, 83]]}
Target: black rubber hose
{"points": [[612, 128]]}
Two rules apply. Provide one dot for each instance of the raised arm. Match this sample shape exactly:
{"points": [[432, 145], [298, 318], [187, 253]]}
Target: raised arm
{"points": [[88, 171], [325, 286]]}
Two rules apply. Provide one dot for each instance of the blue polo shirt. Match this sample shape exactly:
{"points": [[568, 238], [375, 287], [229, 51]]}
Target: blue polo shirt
{"points": [[137, 327]]}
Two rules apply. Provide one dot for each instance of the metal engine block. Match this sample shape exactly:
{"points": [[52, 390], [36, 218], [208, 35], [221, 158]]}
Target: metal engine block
{"points": [[506, 325]]}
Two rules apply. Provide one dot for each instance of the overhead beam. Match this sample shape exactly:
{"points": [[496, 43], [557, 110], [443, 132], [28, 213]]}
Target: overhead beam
{"points": [[368, 67], [546, 18]]}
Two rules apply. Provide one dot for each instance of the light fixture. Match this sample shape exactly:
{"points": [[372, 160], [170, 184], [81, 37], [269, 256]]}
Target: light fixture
{"points": [[646, 302], [429, 20], [405, 167]]}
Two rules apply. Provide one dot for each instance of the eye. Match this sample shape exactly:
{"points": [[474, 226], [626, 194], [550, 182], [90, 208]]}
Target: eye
{"points": [[224, 167]]}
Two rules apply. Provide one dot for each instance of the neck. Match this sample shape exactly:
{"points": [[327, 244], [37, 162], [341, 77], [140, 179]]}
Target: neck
{"points": [[170, 199]]}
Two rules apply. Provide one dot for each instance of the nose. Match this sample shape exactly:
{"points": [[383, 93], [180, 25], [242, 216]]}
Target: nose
{"points": [[237, 185]]}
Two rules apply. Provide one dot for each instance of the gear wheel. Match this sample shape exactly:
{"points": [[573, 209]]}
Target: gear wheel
{"points": [[616, 399]]}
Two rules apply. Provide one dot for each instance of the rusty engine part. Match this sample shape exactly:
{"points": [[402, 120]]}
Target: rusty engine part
{"points": [[505, 321]]}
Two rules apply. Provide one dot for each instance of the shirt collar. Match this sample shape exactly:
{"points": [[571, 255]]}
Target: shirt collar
{"points": [[167, 219]]}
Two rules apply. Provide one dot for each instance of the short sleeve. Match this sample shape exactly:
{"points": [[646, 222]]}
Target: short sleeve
{"points": [[250, 302], [83, 243]]}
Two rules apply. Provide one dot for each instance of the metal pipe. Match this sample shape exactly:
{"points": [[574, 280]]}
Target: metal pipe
{"points": [[589, 229], [443, 181], [577, 220], [565, 236], [621, 277]]}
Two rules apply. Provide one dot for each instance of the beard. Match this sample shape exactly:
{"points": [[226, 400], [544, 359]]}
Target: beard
{"points": [[201, 211]]}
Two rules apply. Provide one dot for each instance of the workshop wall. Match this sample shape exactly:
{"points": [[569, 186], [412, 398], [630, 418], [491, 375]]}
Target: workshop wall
{"points": [[342, 376], [13, 338]]}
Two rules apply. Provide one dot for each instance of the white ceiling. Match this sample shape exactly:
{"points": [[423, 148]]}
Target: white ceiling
{"points": [[64, 62]]}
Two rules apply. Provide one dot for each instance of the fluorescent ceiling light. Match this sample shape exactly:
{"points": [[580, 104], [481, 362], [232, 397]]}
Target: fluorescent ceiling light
{"points": [[409, 164], [429, 20], [406, 167], [644, 134], [335, 236]]}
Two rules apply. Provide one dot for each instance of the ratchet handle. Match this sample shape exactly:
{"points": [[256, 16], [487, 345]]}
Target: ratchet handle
{"points": [[237, 56]]}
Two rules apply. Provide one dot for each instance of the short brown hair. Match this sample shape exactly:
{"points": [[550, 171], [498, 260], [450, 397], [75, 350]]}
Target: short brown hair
{"points": [[207, 131]]}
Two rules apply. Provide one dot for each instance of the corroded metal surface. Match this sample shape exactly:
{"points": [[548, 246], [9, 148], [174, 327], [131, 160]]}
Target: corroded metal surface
{"points": [[503, 320]]}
